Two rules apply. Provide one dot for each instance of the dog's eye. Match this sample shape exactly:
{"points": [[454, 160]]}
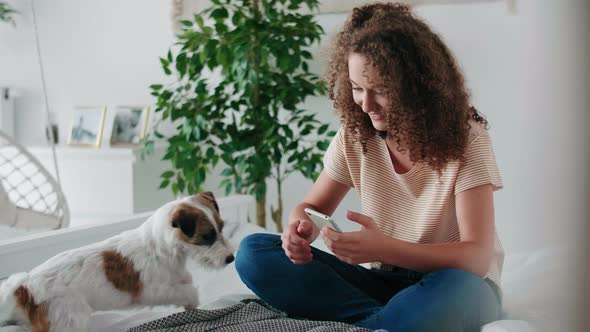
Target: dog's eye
{"points": [[210, 237]]}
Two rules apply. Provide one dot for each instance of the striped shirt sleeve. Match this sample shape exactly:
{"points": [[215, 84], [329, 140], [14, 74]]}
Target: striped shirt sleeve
{"points": [[335, 164], [480, 166]]}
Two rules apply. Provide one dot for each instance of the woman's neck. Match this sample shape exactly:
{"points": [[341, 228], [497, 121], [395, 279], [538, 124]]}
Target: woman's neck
{"points": [[393, 144], [400, 159]]}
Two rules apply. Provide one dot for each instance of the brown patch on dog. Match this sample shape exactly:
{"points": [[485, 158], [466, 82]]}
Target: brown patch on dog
{"points": [[121, 272], [194, 224], [207, 199], [36, 313]]}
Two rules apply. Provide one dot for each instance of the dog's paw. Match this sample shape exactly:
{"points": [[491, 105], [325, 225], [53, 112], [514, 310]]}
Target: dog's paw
{"points": [[192, 303], [190, 307], [187, 279], [190, 297]]}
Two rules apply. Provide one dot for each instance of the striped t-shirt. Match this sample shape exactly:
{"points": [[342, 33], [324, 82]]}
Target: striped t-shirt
{"points": [[417, 206]]}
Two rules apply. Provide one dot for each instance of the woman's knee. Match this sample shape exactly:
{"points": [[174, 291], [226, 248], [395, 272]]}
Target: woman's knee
{"points": [[455, 276], [257, 241], [254, 253], [465, 292]]}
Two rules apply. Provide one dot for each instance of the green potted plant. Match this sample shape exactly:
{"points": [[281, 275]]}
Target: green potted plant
{"points": [[239, 77], [6, 13]]}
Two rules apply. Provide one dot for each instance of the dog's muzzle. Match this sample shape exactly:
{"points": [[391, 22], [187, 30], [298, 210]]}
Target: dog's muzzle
{"points": [[229, 259]]}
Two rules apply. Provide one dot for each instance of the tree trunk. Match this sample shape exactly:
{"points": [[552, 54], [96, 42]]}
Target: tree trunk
{"points": [[254, 58], [261, 211], [277, 215]]}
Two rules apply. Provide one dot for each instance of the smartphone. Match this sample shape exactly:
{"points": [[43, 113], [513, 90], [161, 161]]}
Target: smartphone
{"points": [[321, 220]]}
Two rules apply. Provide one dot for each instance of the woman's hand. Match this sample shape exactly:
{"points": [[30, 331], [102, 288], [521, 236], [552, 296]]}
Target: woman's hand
{"points": [[296, 239], [366, 245]]}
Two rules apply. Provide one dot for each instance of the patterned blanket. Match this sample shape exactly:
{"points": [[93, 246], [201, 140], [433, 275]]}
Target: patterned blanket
{"points": [[248, 315]]}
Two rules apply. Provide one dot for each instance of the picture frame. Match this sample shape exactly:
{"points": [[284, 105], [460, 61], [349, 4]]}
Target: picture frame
{"points": [[129, 125], [87, 125]]}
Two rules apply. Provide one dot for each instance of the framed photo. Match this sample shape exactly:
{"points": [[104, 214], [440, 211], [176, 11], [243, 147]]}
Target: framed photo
{"points": [[87, 124], [129, 125]]}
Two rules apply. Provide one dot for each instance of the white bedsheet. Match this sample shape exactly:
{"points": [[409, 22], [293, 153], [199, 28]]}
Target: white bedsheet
{"points": [[532, 301], [217, 289], [532, 293], [523, 300]]}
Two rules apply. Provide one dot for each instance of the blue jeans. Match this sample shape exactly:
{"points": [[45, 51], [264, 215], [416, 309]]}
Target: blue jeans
{"points": [[400, 300]]}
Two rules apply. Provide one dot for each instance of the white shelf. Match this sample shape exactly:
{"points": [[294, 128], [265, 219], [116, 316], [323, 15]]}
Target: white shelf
{"points": [[76, 152], [100, 183]]}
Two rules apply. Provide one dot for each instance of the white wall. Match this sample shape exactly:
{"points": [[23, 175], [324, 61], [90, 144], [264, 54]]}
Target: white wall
{"points": [[512, 63], [94, 53], [520, 68], [524, 71]]}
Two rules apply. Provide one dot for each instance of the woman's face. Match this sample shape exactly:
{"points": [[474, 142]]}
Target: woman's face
{"points": [[366, 94]]}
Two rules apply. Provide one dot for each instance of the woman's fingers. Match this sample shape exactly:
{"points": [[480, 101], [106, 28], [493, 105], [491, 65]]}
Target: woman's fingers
{"points": [[291, 235], [296, 248], [299, 255]]}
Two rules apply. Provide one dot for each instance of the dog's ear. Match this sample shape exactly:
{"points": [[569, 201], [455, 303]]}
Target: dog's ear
{"points": [[209, 197], [186, 220]]}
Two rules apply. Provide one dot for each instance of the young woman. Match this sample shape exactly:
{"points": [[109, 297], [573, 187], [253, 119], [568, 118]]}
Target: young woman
{"points": [[421, 161]]}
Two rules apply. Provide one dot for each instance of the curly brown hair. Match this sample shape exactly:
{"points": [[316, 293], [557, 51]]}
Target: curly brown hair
{"points": [[428, 102]]}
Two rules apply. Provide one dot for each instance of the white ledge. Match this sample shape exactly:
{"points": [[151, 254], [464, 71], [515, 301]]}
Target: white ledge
{"points": [[93, 153]]}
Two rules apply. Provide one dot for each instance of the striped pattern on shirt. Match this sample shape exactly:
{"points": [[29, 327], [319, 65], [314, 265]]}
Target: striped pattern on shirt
{"points": [[419, 205]]}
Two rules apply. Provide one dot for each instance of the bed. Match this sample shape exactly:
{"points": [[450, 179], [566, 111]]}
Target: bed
{"points": [[526, 296]]}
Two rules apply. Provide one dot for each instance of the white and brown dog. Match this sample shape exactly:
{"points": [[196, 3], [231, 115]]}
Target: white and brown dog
{"points": [[144, 266]]}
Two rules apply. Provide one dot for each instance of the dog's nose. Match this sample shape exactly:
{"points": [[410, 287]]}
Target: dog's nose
{"points": [[229, 259]]}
